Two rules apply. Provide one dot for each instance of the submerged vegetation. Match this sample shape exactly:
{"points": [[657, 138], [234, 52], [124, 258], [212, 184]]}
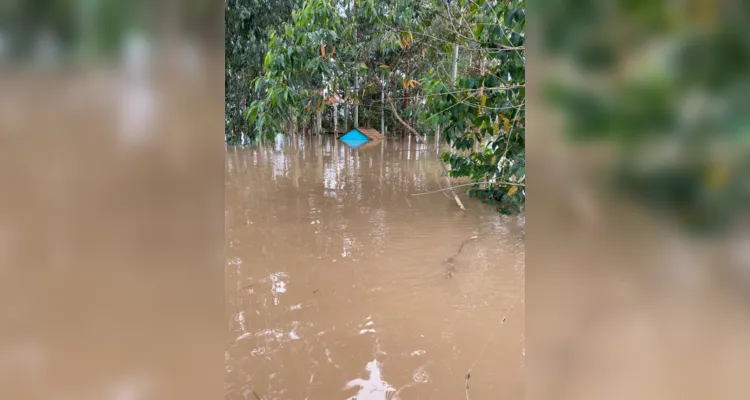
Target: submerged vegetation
{"points": [[450, 71]]}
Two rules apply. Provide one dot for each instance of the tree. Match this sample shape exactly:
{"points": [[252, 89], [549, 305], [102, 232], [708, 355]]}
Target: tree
{"points": [[249, 25], [483, 109], [366, 53]]}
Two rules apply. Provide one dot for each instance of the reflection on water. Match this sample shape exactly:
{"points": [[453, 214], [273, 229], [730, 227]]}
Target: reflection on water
{"points": [[374, 388], [336, 278]]}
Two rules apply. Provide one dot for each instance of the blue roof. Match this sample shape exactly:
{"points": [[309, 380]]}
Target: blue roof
{"points": [[354, 138]]}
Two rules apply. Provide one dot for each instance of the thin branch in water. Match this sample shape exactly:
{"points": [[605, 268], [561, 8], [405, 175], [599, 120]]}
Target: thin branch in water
{"points": [[468, 376], [437, 179], [394, 396], [471, 184], [502, 322], [423, 140]]}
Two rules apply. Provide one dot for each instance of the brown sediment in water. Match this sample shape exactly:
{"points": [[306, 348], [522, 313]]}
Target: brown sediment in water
{"points": [[349, 295]]}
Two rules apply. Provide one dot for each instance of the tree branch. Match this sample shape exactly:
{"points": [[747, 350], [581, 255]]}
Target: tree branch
{"points": [[471, 184], [424, 141]]}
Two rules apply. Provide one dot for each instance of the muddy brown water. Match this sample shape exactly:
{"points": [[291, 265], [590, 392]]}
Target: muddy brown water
{"points": [[336, 281]]}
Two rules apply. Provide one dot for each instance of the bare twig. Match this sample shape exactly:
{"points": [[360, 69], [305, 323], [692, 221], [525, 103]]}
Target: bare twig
{"points": [[468, 376], [437, 179], [394, 396], [470, 184], [502, 322], [495, 88], [502, 47]]}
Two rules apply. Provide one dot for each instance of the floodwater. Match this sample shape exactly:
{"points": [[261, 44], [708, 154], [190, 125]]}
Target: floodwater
{"points": [[337, 284]]}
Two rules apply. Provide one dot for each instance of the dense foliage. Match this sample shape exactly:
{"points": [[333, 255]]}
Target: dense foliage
{"points": [[484, 109], [81, 30], [414, 66], [248, 24], [672, 98]]}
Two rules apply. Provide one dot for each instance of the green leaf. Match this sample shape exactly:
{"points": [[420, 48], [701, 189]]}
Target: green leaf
{"points": [[521, 173]]}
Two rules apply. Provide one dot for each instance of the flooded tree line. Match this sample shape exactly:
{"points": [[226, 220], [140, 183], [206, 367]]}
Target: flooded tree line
{"points": [[452, 74]]}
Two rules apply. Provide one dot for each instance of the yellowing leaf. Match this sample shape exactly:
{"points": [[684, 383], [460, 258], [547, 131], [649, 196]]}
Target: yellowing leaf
{"points": [[410, 36], [400, 44], [506, 124], [512, 190], [718, 176], [484, 100], [404, 83], [495, 127], [422, 52], [323, 50]]}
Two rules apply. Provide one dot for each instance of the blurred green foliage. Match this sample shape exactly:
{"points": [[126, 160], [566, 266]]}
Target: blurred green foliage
{"points": [[666, 84], [91, 29]]}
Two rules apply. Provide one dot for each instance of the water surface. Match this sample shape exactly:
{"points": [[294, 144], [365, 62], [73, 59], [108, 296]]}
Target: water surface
{"points": [[337, 285]]}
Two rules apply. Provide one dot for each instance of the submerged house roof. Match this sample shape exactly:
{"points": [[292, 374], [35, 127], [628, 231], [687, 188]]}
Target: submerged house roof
{"points": [[370, 133], [370, 144], [359, 136]]}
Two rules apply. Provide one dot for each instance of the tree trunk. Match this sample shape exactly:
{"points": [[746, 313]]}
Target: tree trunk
{"points": [[481, 93], [335, 119], [318, 122], [243, 102], [356, 106], [290, 124], [346, 117], [406, 90], [454, 71], [382, 109], [356, 74], [437, 140]]}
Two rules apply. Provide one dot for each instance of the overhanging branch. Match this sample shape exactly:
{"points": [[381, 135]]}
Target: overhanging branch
{"points": [[424, 141]]}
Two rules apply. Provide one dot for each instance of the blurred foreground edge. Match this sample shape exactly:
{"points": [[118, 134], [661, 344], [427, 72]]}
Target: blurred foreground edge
{"points": [[625, 298], [111, 219]]}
